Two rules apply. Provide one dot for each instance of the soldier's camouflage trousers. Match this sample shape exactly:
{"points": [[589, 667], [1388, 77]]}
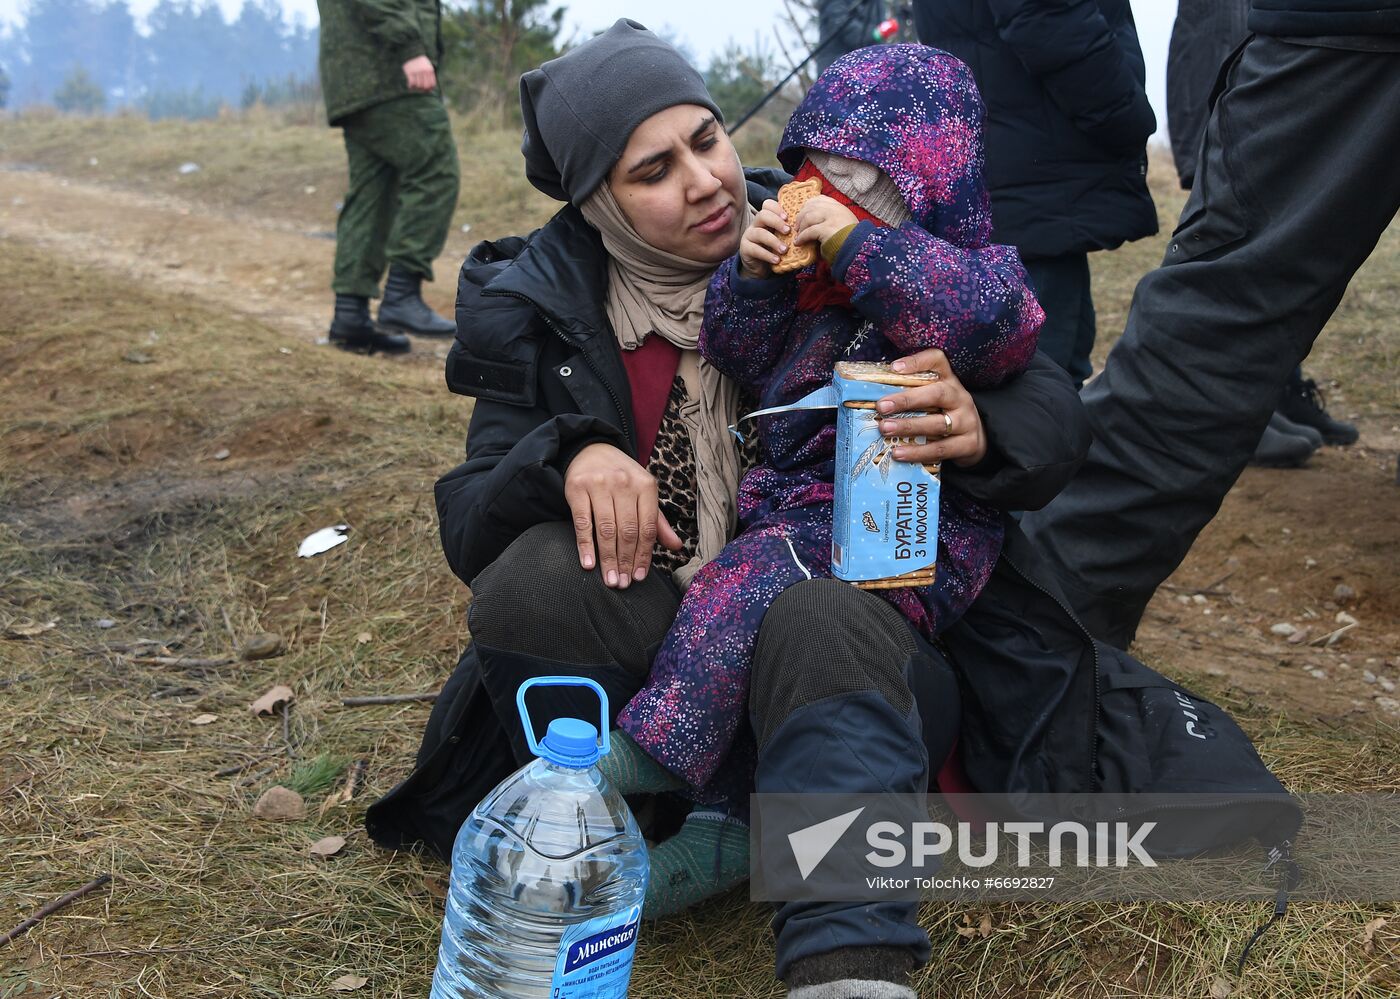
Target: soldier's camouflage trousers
{"points": [[403, 189]]}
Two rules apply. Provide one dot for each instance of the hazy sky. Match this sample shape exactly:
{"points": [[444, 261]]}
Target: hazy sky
{"points": [[707, 25]]}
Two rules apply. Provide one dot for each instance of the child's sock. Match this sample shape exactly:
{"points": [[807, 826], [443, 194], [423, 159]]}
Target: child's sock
{"points": [[630, 770], [709, 855]]}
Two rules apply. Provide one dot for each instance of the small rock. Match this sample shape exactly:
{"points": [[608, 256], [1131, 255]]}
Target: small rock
{"points": [[188, 168], [1207, 610], [1388, 704], [1344, 618], [1221, 988], [1183, 599], [265, 645], [1198, 598], [1283, 628], [1343, 594], [221, 454], [466, 229], [1233, 563], [1300, 636], [280, 804], [1387, 685], [106, 622], [1317, 674], [1309, 563], [136, 357], [309, 189]]}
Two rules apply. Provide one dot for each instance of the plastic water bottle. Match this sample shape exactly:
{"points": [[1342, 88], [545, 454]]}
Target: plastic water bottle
{"points": [[548, 876]]}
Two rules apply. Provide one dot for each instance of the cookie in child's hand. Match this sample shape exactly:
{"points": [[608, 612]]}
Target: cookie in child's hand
{"points": [[792, 197]]}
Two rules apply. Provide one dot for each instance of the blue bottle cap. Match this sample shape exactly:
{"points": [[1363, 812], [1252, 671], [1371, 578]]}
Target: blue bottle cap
{"points": [[570, 742]]}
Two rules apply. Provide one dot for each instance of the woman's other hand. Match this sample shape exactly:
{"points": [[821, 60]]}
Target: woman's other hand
{"points": [[953, 427], [822, 217], [613, 506], [762, 244]]}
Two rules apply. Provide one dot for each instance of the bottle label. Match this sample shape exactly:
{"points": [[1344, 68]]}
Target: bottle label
{"points": [[595, 958]]}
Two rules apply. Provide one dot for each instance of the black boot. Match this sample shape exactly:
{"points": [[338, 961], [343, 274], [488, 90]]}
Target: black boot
{"points": [[352, 329], [403, 307], [1303, 403], [1284, 425], [1280, 450]]}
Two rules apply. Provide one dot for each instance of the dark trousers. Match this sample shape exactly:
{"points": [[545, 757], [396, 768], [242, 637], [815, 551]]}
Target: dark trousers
{"points": [[1062, 286], [1296, 182], [403, 191], [844, 697]]}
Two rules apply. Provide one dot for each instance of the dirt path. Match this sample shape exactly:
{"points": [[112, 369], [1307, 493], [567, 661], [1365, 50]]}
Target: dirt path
{"points": [[273, 271], [1275, 556]]}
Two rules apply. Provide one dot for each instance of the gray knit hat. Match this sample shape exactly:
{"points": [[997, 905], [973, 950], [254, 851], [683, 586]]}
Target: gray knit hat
{"points": [[581, 108]]}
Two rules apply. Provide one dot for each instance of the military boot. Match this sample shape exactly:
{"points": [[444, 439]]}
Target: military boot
{"points": [[403, 307], [352, 329], [1280, 450], [1284, 425], [1303, 403]]}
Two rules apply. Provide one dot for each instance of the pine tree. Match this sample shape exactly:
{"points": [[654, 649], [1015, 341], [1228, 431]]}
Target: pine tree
{"points": [[488, 44]]}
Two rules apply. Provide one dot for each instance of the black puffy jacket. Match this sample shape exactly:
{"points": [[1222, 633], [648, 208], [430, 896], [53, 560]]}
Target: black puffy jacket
{"points": [[1067, 117], [535, 347]]}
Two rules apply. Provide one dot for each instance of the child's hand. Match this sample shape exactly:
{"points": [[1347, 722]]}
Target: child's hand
{"points": [[762, 243], [822, 217]]}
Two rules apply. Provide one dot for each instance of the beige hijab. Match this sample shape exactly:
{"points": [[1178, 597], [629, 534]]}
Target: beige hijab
{"points": [[649, 291]]}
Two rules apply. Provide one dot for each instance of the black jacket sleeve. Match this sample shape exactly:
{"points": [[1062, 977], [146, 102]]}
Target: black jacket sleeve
{"points": [[1072, 50], [1037, 437], [513, 479]]}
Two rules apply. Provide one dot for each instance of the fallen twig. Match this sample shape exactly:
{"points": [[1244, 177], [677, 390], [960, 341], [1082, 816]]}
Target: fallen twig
{"points": [[1204, 591], [1331, 637], [183, 661], [356, 775], [362, 702], [254, 778], [1209, 590], [238, 768], [54, 906], [17, 784]]}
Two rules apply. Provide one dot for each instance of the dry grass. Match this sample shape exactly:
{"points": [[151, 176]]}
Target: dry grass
{"points": [[260, 164], [112, 506]]}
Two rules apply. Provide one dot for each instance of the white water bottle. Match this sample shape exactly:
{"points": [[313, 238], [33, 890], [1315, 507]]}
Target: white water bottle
{"points": [[548, 875]]}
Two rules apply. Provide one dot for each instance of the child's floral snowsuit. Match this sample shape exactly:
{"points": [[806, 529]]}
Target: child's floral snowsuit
{"points": [[935, 281]]}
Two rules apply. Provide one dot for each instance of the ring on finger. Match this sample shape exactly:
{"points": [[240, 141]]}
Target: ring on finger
{"points": [[947, 423]]}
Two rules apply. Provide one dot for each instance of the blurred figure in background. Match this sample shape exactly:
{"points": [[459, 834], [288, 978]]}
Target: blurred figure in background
{"points": [[379, 62], [1067, 127], [849, 24], [1203, 36]]}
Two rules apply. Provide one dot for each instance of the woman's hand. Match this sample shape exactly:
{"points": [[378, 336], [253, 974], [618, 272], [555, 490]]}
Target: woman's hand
{"points": [[953, 427], [762, 244], [612, 497]]}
